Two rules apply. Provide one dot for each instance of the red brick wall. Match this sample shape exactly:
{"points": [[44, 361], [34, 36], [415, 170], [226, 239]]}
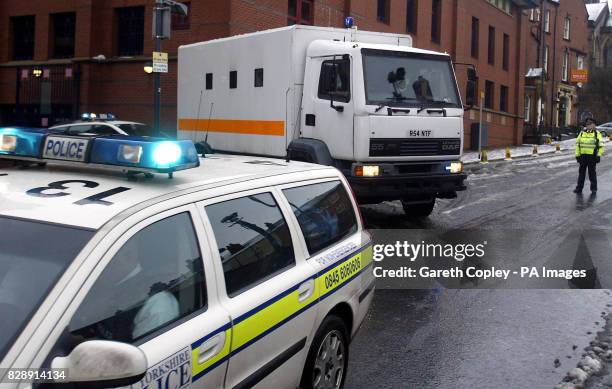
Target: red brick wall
{"points": [[123, 88]]}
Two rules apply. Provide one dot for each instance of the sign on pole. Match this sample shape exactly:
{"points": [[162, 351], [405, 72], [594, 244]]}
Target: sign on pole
{"points": [[160, 62]]}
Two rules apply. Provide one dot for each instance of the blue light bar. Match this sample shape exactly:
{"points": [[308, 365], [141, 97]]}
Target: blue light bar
{"points": [[126, 153], [24, 143]]}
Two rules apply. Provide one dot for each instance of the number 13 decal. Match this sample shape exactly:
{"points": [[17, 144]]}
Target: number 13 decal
{"points": [[58, 189]]}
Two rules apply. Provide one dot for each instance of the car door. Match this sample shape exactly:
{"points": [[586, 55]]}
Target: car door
{"points": [[329, 83], [265, 284], [154, 289]]}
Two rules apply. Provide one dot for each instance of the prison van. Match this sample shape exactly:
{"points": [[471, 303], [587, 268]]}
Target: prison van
{"points": [[387, 115]]}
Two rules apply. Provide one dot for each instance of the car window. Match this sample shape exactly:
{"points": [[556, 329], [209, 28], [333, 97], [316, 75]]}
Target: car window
{"points": [[253, 239], [155, 278], [101, 129], [135, 129], [33, 255], [79, 128], [334, 80], [325, 213]]}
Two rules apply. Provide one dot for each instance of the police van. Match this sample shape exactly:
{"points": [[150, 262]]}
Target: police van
{"points": [[135, 262]]}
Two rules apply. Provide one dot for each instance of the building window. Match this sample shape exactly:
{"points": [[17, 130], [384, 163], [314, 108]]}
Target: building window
{"points": [[547, 21], [259, 77], [534, 15], [382, 11], [209, 81], [233, 79], [411, 16], [130, 31], [580, 62], [62, 33], [506, 53], [566, 28], [22, 31], [436, 20], [475, 36], [527, 111], [300, 12], [179, 21], [565, 66], [504, 5], [489, 94], [491, 50], [503, 98], [545, 64]]}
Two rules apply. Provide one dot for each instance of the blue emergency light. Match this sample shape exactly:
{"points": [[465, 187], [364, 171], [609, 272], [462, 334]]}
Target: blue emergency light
{"points": [[348, 22], [87, 116], [123, 152]]}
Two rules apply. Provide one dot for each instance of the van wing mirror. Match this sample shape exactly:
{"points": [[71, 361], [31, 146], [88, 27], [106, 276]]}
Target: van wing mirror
{"points": [[103, 363]]}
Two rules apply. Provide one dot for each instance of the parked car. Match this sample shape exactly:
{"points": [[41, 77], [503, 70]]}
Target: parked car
{"points": [[102, 124], [605, 128]]}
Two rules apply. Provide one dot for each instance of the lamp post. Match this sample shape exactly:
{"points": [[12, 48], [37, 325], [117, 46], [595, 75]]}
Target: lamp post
{"points": [[161, 30]]}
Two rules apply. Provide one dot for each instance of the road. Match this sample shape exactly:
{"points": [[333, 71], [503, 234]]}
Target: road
{"points": [[495, 338]]}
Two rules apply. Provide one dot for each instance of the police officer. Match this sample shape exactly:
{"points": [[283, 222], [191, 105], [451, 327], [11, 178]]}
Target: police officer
{"points": [[589, 149]]}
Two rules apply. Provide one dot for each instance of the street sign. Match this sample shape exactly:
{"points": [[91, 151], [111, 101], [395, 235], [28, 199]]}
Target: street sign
{"points": [[579, 75], [160, 62]]}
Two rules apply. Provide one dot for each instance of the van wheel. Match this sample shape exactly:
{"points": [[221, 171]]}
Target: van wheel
{"points": [[327, 361], [419, 210]]}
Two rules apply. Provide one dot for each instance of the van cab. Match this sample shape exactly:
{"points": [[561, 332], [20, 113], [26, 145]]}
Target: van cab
{"points": [[238, 272]]}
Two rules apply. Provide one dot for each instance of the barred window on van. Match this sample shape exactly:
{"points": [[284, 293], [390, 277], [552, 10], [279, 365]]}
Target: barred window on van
{"points": [[325, 213]]}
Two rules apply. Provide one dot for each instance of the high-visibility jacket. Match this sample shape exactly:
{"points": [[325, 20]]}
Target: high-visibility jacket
{"points": [[589, 142]]}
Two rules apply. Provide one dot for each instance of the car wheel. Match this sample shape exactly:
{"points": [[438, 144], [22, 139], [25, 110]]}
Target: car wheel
{"points": [[327, 361], [419, 210]]}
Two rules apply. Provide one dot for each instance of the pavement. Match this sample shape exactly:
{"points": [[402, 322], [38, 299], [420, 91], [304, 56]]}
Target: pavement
{"points": [[495, 338], [522, 151]]}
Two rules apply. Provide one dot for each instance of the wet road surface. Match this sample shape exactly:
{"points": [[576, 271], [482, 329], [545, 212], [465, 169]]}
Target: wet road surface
{"points": [[494, 338]]}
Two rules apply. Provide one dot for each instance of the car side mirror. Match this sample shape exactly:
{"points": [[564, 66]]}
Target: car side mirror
{"points": [[103, 363]]}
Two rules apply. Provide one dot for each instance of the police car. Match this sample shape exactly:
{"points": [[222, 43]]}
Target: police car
{"points": [[102, 124], [237, 272]]}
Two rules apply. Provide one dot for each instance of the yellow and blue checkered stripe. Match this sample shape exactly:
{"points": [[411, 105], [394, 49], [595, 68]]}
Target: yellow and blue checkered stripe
{"points": [[267, 317]]}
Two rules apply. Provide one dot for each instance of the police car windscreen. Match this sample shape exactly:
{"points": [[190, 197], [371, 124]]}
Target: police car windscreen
{"points": [[33, 256]]}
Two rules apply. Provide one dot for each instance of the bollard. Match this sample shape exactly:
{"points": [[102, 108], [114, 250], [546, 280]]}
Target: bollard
{"points": [[508, 154], [535, 150], [484, 158], [557, 148]]}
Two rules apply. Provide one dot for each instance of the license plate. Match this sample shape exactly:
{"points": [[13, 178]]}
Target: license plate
{"points": [[419, 133], [65, 148]]}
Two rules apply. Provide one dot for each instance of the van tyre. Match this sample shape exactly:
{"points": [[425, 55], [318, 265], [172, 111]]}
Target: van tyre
{"points": [[327, 361], [420, 210]]}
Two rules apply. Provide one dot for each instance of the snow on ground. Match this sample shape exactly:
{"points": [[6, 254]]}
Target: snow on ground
{"points": [[520, 151]]}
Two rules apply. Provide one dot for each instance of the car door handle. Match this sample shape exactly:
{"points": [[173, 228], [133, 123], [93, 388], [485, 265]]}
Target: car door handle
{"points": [[211, 347], [306, 290]]}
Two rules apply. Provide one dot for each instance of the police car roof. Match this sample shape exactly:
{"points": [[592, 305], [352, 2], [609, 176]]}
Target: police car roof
{"points": [[96, 121], [24, 191]]}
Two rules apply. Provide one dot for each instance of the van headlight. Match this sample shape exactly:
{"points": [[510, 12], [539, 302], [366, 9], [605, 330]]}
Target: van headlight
{"points": [[367, 171], [455, 167]]}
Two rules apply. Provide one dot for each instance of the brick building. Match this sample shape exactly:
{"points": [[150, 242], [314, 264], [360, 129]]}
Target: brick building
{"points": [[59, 58], [564, 47]]}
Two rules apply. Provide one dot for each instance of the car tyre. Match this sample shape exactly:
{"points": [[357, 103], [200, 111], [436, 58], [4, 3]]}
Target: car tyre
{"points": [[420, 210], [327, 362]]}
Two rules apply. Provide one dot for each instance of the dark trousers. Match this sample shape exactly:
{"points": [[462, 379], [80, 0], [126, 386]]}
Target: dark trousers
{"points": [[587, 162]]}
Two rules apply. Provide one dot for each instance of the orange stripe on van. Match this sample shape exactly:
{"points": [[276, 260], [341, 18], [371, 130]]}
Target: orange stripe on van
{"points": [[253, 127]]}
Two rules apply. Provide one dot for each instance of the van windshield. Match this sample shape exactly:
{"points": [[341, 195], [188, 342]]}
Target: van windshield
{"points": [[402, 79], [33, 256]]}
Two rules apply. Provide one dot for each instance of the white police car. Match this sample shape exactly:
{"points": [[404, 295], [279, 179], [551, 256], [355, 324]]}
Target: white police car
{"points": [[102, 124], [237, 272]]}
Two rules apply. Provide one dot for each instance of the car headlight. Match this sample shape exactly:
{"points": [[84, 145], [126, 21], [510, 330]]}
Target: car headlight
{"points": [[367, 171], [455, 167]]}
